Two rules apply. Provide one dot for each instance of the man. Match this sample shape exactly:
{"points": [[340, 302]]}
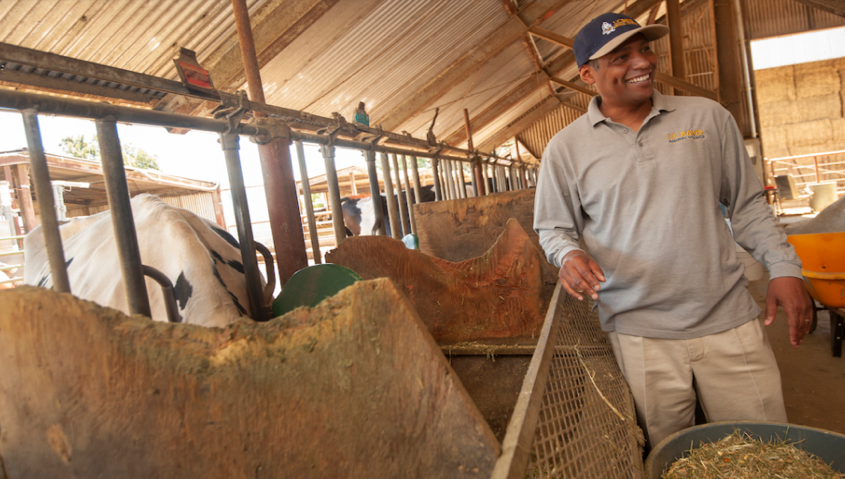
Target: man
{"points": [[639, 180]]}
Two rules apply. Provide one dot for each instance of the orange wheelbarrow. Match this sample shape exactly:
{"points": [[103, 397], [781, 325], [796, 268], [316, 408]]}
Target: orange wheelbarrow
{"points": [[823, 259]]}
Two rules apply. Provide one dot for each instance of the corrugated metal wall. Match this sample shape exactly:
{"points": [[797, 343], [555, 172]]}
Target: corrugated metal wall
{"points": [[202, 204], [771, 18]]}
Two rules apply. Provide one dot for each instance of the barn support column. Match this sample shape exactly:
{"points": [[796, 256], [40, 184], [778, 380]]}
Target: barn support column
{"points": [[676, 36], [334, 193], [392, 210], [403, 215], [375, 193], [44, 193], [729, 65], [230, 145], [277, 171], [438, 191], [117, 192], [309, 205], [409, 198]]}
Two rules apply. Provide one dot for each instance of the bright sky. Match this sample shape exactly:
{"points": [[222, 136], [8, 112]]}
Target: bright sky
{"points": [[799, 48]]}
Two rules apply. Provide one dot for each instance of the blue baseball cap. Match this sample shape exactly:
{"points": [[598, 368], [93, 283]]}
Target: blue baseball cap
{"points": [[606, 32]]}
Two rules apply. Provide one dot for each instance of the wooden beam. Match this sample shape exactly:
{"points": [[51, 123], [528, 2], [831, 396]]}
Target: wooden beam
{"points": [[557, 66], [573, 86], [676, 39], [546, 106], [468, 64], [730, 66], [685, 86], [836, 7]]}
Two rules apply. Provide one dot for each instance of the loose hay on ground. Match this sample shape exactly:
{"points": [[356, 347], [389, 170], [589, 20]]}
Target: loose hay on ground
{"points": [[739, 455]]}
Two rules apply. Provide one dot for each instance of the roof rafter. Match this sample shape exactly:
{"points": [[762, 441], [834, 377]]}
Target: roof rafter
{"points": [[530, 86], [469, 63]]}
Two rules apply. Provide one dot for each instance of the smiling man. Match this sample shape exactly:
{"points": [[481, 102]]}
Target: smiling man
{"points": [[637, 182]]}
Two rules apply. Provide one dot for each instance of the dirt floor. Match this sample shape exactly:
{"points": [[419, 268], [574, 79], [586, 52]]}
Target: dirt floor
{"points": [[813, 380]]}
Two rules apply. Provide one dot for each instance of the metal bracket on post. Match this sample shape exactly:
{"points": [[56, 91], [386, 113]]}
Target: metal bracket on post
{"points": [[275, 128], [233, 112], [432, 140]]}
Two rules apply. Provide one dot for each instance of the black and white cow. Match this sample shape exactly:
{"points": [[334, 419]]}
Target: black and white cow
{"points": [[202, 261], [359, 213]]}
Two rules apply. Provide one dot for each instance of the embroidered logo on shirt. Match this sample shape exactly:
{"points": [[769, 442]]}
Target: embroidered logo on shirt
{"points": [[685, 135]]}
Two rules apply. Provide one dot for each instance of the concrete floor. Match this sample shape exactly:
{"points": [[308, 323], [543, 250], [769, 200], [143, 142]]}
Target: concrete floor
{"points": [[813, 380]]}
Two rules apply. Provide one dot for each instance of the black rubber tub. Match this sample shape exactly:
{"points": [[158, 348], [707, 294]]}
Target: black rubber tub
{"points": [[827, 445]]}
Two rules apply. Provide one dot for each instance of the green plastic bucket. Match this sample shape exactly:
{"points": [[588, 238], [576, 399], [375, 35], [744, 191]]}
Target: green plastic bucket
{"points": [[827, 445]]}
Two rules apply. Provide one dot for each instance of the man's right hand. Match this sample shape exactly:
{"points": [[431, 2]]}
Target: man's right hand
{"points": [[580, 274]]}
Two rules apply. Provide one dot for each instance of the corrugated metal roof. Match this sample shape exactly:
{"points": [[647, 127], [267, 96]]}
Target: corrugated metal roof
{"points": [[141, 36], [380, 58]]}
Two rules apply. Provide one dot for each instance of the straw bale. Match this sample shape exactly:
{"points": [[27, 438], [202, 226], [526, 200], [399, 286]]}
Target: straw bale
{"points": [[774, 138], [775, 152], [809, 150], [776, 113], [838, 133], [816, 79], [817, 108], [809, 133], [775, 84]]}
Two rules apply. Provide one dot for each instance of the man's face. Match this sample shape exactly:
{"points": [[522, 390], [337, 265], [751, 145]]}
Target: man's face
{"points": [[624, 76]]}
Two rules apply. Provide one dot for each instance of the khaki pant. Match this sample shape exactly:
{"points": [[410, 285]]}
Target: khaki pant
{"points": [[735, 372]]}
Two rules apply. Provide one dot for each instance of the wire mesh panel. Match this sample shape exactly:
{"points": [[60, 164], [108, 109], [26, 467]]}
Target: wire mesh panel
{"points": [[575, 417], [587, 424]]}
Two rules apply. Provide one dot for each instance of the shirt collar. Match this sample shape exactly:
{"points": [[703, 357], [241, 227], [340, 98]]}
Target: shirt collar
{"points": [[659, 104]]}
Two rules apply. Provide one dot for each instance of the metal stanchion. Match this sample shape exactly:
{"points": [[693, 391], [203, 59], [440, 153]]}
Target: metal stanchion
{"points": [[126, 238], [309, 205], [409, 197], [392, 210], [438, 187], [230, 144], [416, 171], [403, 211], [372, 173], [44, 194], [334, 193]]}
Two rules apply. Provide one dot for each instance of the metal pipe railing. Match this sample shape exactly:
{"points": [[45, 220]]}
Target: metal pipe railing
{"points": [[375, 194], [334, 193], [402, 204], [392, 210], [230, 144], [309, 205], [44, 191], [123, 225], [409, 198]]}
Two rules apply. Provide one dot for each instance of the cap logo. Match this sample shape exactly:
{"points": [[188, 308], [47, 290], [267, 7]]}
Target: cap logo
{"points": [[607, 29]]}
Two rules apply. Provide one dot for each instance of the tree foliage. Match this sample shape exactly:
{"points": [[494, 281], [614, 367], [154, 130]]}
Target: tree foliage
{"points": [[79, 147]]}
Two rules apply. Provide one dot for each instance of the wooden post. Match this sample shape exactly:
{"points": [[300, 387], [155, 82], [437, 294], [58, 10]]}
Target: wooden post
{"points": [[728, 59], [353, 187], [676, 39], [218, 208]]}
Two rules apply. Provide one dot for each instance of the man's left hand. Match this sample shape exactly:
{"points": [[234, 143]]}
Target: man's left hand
{"points": [[789, 293]]}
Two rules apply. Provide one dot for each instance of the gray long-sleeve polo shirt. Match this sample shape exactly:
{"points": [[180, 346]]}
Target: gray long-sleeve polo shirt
{"points": [[646, 204]]}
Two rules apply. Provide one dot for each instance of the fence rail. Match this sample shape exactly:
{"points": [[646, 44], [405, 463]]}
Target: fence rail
{"points": [[806, 169]]}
